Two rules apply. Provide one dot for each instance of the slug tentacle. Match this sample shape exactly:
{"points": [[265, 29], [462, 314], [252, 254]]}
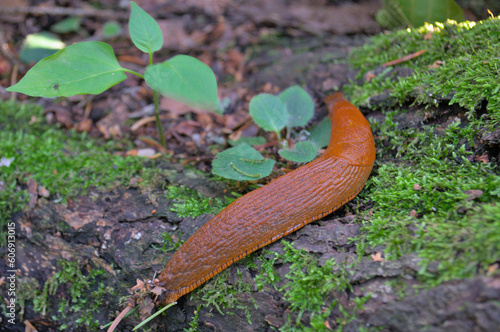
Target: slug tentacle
{"points": [[280, 207]]}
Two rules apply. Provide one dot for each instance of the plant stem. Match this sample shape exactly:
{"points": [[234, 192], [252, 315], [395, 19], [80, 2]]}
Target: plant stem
{"points": [[157, 110], [158, 121], [156, 99], [130, 71]]}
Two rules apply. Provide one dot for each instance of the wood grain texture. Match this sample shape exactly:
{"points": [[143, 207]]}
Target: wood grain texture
{"points": [[278, 208]]}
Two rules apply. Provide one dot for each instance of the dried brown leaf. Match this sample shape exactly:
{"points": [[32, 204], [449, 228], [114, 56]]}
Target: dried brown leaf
{"points": [[146, 307], [377, 257], [139, 285]]}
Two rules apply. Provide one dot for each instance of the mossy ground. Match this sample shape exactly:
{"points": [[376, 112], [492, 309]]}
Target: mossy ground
{"points": [[425, 176], [64, 163], [460, 59], [86, 295], [67, 164], [190, 203]]}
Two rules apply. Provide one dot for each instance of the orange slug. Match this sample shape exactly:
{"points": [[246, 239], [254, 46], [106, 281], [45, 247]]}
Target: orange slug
{"points": [[279, 208]]}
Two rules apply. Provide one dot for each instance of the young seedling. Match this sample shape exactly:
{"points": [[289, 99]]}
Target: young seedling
{"points": [[291, 109], [92, 68], [269, 113]]}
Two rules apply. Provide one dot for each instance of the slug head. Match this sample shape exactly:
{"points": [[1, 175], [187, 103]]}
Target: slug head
{"points": [[351, 137]]}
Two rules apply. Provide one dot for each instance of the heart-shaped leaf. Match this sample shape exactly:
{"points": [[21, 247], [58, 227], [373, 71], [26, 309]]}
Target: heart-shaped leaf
{"points": [[144, 30], [83, 68], [303, 152], [268, 112], [185, 79], [299, 105], [320, 134]]}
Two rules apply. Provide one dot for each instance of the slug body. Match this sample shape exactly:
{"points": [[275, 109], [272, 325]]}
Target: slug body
{"points": [[279, 208]]}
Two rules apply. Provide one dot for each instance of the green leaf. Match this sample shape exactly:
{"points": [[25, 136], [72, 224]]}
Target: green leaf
{"points": [[299, 105], [255, 140], [144, 30], [38, 46], [320, 134], [111, 29], [241, 163], [268, 112], [415, 13], [184, 79], [303, 152], [82, 68], [70, 24]]}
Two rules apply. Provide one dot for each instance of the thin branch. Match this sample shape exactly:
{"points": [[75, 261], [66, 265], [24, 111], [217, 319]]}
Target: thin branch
{"points": [[405, 58]]}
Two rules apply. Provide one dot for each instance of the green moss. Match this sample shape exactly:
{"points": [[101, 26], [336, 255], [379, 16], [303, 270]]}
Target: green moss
{"points": [[310, 283], [85, 295], [309, 287], [169, 244], [267, 274], [438, 220], [465, 59], [193, 204], [219, 293], [64, 163], [461, 234], [193, 324]]}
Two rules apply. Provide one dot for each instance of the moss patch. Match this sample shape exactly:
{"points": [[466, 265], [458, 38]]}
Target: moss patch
{"points": [[460, 59], [64, 163], [85, 295], [223, 296], [190, 203], [310, 288], [431, 195], [435, 201]]}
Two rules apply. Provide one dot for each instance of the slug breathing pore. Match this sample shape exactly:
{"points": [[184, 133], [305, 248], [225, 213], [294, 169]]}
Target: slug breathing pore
{"points": [[279, 208]]}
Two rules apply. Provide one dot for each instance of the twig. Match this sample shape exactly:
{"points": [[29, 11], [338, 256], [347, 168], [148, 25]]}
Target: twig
{"points": [[403, 59], [144, 121], [154, 143], [119, 318]]}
